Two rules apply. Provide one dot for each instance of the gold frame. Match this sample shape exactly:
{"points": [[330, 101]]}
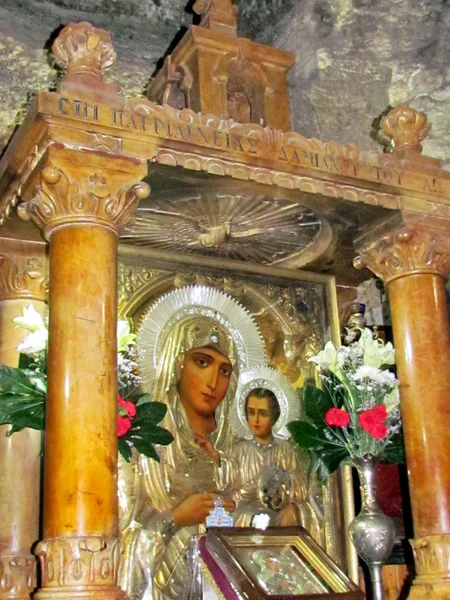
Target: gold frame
{"points": [[221, 544], [338, 493]]}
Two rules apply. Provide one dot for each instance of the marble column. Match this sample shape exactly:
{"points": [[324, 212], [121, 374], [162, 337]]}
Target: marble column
{"points": [[414, 262], [80, 204], [22, 281]]}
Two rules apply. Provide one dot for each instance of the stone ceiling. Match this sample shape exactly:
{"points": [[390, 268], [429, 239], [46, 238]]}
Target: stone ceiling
{"points": [[354, 57]]}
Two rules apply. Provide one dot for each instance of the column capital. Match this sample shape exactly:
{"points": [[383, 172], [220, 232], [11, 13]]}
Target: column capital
{"points": [[76, 187], [22, 270], [404, 246]]}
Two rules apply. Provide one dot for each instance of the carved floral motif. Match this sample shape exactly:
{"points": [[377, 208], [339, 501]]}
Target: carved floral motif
{"points": [[22, 277], [83, 49], [131, 278], [11, 197], [60, 201], [415, 249], [17, 575], [405, 128], [78, 561]]}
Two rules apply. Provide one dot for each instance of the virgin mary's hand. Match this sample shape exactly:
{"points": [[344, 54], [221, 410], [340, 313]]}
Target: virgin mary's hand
{"points": [[194, 509]]}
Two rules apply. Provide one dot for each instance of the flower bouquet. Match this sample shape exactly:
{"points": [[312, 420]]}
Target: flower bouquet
{"points": [[357, 411], [23, 390]]}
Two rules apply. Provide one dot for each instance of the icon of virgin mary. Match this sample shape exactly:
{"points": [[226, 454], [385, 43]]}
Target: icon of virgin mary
{"points": [[194, 342]]}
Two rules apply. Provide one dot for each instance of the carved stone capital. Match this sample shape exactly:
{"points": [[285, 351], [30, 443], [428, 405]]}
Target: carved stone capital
{"points": [[405, 128], [79, 566], [84, 50], [62, 199], [17, 576], [414, 248], [22, 270]]}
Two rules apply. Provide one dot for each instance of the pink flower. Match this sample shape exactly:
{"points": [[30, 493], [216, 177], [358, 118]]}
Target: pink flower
{"points": [[337, 417]]}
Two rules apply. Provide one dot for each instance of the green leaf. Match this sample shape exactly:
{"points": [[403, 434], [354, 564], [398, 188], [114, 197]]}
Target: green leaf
{"points": [[316, 403], [22, 411], [306, 435], [329, 460], [124, 449], [395, 450], [150, 412], [16, 381], [35, 421], [147, 449], [26, 361], [150, 433], [39, 380], [144, 399]]}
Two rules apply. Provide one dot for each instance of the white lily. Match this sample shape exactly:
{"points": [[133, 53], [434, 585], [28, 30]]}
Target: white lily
{"points": [[325, 358], [30, 319], [124, 336], [34, 342], [392, 400], [328, 359], [376, 353]]}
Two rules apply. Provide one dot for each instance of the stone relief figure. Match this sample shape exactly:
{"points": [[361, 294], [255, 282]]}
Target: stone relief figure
{"points": [[194, 342], [270, 474]]}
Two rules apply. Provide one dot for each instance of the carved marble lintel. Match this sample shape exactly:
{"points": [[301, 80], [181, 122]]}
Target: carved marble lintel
{"points": [[405, 128], [412, 248], [62, 200], [17, 576], [79, 566], [22, 270], [85, 52]]}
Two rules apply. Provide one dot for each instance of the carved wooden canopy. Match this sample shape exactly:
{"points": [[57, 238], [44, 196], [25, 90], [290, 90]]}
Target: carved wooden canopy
{"points": [[220, 187]]}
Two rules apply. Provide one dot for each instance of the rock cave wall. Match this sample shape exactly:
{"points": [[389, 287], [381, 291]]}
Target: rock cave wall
{"points": [[354, 57]]}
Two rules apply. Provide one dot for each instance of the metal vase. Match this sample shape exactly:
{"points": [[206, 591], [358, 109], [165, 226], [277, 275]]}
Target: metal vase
{"points": [[372, 532]]}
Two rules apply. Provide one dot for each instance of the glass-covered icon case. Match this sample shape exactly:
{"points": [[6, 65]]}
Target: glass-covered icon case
{"points": [[278, 563]]}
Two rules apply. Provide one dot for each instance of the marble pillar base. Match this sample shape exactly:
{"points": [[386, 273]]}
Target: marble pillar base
{"points": [[79, 567]]}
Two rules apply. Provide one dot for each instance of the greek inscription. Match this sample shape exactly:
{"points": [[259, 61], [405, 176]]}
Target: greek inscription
{"points": [[388, 176], [78, 108], [429, 186]]}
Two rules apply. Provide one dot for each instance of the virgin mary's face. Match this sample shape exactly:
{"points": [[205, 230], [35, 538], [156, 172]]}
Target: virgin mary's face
{"points": [[204, 379]]}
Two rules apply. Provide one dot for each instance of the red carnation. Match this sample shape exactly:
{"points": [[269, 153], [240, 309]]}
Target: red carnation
{"points": [[372, 417], [378, 431], [337, 417], [380, 412], [123, 425], [130, 407]]}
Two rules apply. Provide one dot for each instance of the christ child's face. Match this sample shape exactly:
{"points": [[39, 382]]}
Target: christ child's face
{"points": [[204, 379], [259, 417]]}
